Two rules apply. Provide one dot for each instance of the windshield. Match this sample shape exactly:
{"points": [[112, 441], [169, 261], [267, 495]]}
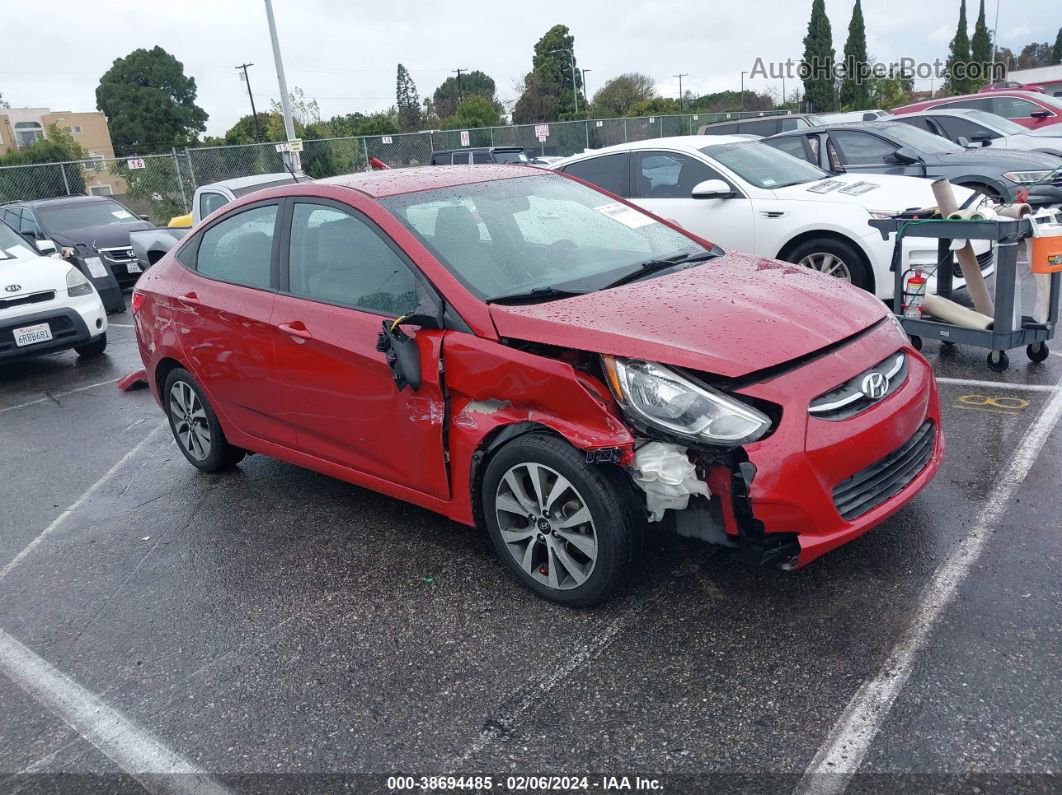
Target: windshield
{"points": [[510, 157], [994, 122], [763, 165], [921, 141], [516, 235], [12, 244], [69, 217]]}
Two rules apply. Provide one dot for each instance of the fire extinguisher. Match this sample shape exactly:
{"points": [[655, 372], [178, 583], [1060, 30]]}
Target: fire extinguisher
{"points": [[914, 295]]}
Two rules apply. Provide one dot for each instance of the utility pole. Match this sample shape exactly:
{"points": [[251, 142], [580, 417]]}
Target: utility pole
{"points": [[575, 88], [285, 99], [681, 99], [742, 89], [995, 28], [458, 73], [585, 91], [250, 96]]}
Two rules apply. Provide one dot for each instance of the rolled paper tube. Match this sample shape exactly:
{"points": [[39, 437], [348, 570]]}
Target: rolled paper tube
{"points": [[956, 314], [1015, 211], [971, 271]]}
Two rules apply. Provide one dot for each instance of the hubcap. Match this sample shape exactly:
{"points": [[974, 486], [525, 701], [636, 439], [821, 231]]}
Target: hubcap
{"points": [[189, 421], [546, 526], [828, 264]]}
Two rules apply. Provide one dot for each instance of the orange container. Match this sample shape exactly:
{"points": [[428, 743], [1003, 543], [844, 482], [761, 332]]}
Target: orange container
{"points": [[1045, 254]]}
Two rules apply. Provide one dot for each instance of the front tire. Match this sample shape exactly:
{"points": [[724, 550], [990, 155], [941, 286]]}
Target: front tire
{"points": [[195, 426], [94, 348], [570, 531], [833, 258]]}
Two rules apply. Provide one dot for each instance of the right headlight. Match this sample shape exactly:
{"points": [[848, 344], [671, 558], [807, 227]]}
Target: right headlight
{"points": [[77, 284], [663, 399], [1025, 177]]}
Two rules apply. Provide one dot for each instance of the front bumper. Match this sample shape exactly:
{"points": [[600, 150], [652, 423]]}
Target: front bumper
{"points": [[72, 324], [805, 459]]}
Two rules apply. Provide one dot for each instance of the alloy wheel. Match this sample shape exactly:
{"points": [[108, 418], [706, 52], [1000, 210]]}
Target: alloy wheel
{"points": [[546, 526], [829, 264], [190, 424]]}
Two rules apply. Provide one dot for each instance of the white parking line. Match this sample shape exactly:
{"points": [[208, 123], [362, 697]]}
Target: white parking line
{"points": [[122, 325], [841, 755], [58, 395], [133, 748], [77, 504], [999, 384]]}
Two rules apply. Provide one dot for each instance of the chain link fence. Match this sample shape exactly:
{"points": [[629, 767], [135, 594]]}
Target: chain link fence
{"points": [[161, 186]]}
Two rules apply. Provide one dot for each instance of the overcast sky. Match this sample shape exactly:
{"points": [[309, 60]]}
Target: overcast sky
{"points": [[345, 53]]}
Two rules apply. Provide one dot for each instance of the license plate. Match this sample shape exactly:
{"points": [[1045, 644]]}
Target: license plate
{"points": [[134, 267], [28, 335]]}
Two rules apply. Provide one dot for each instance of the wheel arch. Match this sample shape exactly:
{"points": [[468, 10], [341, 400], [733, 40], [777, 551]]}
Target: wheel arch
{"points": [[829, 234], [163, 368]]}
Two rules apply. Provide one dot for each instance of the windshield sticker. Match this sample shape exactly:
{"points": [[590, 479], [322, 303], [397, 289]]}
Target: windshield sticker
{"points": [[825, 186], [95, 266], [625, 215], [767, 182], [121, 214], [859, 188]]}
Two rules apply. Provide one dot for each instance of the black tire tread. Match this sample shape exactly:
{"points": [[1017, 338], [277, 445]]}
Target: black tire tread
{"points": [[223, 456]]}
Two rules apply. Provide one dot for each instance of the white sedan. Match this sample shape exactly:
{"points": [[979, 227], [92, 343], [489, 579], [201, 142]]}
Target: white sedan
{"points": [[747, 196], [981, 128]]}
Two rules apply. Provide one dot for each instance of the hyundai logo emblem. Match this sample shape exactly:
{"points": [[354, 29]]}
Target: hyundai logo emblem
{"points": [[13, 288], [874, 385]]}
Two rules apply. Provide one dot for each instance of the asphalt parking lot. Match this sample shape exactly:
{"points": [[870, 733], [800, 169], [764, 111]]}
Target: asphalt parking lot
{"points": [[271, 622]]}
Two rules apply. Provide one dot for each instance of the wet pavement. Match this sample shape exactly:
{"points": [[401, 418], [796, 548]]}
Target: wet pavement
{"points": [[272, 622]]}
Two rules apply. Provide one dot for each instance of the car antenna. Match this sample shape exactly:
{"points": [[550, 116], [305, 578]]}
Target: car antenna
{"points": [[287, 165]]}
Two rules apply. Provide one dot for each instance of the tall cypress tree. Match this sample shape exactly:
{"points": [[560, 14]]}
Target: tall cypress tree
{"points": [[407, 101], [854, 94], [817, 64], [981, 47], [1056, 51], [959, 54]]}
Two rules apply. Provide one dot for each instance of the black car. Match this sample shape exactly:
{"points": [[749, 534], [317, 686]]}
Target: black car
{"points": [[761, 125], [80, 228], [480, 154], [891, 147]]}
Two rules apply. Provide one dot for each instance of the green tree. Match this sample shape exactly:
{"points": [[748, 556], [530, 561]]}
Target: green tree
{"points": [[472, 112], [1034, 55], [817, 63], [449, 93], [854, 94], [407, 101], [5, 104], [655, 106], [959, 57], [1056, 51], [730, 101], [553, 82], [44, 182], [243, 131], [981, 48], [303, 111], [619, 94], [149, 102]]}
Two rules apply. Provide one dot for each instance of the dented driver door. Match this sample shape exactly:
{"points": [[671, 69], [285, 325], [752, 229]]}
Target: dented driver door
{"points": [[344, 278]]}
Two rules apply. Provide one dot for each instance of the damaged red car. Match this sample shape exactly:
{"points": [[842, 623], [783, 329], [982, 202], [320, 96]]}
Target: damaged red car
{"points": [[518, 350]]}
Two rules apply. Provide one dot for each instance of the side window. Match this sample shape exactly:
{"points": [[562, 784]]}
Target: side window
{"points": [[957, 127], [921, 122], [978, 103], [28, 224], [1013, 107], [791, 145], [481, 157], [666, 175], [460, 158], [721, 129], [759, 127], [239, 248], [338, 258], [210, 201], [788, 124], [608, 172], [861, 148]]}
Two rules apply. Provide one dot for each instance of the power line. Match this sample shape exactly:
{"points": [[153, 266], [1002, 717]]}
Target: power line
{"points": [[458, 73], [681, 98]]}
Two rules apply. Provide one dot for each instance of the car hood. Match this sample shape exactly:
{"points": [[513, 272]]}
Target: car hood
{"points": [[888, 192], [729, 316], [32, 274], [1002, 159], [105, 236]]}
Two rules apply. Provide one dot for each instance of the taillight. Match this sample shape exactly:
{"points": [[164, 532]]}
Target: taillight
{"points": [[138, 301]]}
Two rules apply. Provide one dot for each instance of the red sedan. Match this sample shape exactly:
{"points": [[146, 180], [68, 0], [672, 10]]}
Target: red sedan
{"points": [[518, 350], [1028, 108]]}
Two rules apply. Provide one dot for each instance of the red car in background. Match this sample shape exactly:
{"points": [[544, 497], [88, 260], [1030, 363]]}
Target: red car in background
{"points": [[1028, 108], [1009, 85], [518, 350]]}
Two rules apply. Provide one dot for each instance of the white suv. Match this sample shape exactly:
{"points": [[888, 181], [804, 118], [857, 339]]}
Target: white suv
{"points": [[46, 305]]}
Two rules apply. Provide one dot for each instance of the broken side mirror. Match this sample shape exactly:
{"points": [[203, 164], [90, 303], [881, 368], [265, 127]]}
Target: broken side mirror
{"points": [[400, 348]]}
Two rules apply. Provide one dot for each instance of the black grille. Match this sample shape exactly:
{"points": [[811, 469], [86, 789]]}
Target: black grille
{"points": [[22, 300], [984, 262], [872, 486], [848, 399]]}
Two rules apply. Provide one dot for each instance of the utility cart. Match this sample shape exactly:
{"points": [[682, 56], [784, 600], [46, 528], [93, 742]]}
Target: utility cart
{"points": [[1004, 334]]}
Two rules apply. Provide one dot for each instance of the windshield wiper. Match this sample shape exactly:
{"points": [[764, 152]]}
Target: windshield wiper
{"points": [[651, 266], [532, 296]]}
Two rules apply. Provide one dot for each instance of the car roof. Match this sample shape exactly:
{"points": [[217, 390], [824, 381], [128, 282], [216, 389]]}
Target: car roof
{"points": [[687, 142], [876, 124], [246, 182], [761, 118], [395, 181], [64, 200]]}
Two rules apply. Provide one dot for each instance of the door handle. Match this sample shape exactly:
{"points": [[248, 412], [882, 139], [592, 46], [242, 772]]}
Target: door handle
{"points": [[297, 330], [191, 299]]}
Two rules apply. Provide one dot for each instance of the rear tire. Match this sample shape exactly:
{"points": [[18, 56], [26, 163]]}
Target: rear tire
{"points": [[834, 258], [575, 537], [195, 426], [94, 348]]}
